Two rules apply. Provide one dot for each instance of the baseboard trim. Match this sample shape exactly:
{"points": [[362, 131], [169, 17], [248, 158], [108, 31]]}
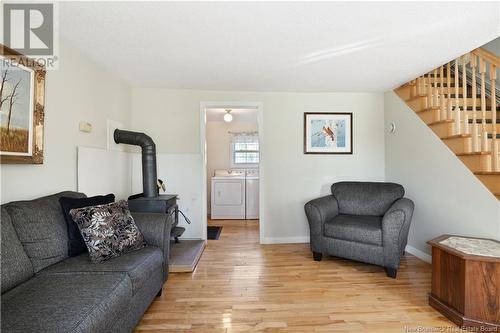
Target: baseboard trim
{"points": [[285, 240], [419, 254]]}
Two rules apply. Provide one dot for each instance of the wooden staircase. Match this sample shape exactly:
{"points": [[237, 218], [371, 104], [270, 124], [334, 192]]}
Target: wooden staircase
{"points": [[460, 113]]}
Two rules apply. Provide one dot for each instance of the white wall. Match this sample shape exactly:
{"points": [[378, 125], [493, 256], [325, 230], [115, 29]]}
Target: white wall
{"points": [[218, 146], [448, 198], [291, 178], [79, 91], [493, 46]]}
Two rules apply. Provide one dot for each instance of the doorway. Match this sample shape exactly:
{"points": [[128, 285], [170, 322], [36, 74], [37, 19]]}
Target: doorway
{"points": [[231, 140]]}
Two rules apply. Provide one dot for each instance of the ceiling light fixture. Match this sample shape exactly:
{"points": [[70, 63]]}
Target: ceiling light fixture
{"points": [[228, 117]]}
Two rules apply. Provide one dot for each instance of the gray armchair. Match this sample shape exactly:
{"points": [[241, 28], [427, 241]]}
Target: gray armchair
{"points": [[361, 221]]}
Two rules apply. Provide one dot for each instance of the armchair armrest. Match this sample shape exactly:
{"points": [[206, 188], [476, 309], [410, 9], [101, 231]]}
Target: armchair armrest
{"points": [[395, 227], [318, 211], [155, 228]]}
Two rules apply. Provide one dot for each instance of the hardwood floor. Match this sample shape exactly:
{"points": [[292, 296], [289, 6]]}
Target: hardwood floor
{"points": [[242, 286]]}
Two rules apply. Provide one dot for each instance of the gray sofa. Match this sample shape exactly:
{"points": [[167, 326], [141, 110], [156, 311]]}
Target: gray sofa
{"points": [[44, 290], [362, 221]]}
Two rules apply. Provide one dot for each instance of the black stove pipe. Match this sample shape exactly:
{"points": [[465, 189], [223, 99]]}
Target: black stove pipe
{"points": [[149, 187]]}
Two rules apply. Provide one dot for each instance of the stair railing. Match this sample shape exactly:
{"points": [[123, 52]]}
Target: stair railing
{"points": [[452, 105]]}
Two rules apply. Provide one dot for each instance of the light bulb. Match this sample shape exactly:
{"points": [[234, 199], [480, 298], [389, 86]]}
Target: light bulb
{"points": [[228, 117]]}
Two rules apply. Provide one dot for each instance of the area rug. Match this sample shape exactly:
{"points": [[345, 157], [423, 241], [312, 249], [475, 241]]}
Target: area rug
{"points": [[213, 232]]}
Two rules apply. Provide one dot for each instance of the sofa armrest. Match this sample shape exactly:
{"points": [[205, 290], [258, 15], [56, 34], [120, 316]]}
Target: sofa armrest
{"points": [[395, 227], [155, 228], [318, 211]]}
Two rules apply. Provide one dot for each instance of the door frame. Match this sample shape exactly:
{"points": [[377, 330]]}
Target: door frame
{"points": [[203, 145]]}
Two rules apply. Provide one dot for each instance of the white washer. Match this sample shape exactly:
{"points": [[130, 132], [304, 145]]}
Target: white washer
{"points": [[228, 194], [252, 194]]}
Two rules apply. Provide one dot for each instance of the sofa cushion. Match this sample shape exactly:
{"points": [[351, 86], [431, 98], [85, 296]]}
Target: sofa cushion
{"points": [[76, 245], [366, 198], [41, 228], [355, 228], [139, 265], [87, 302], [108, 230], [16, 266]]}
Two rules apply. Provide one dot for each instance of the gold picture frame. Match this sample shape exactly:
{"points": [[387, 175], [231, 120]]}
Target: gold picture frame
{"points": [[22, 113]]}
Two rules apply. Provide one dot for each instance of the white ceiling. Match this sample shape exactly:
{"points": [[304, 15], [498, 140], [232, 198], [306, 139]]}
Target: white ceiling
{"points": [[239, 115], [276, 46]]}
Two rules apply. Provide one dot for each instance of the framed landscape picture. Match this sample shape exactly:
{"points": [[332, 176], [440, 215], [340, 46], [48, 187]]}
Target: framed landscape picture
{"points": [[327, 133], [22, 92]]}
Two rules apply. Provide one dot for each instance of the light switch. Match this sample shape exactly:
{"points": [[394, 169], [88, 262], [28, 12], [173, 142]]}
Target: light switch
{"points": [[85, 127]]}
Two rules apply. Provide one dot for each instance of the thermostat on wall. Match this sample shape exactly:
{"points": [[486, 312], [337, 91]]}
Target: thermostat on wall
{"points": [[85, 127]]}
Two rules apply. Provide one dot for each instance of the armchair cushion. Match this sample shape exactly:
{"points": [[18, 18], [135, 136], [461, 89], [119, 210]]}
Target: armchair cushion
{"points": [[356, 228], [365, 198]]}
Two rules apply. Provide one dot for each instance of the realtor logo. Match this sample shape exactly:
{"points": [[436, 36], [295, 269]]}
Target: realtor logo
{"points": [[28, 28]]}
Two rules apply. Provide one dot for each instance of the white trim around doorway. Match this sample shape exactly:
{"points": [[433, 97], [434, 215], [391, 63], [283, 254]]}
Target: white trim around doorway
{"points": [[203, 137]]}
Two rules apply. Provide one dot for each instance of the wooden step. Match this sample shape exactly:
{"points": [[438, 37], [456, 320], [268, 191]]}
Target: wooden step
{"points": [[490, 179], [479, 120], [459, 144], [405, 92], [489, 127], [476, 162], [419, 103], [479, 114], [437, 80], [429, 115], [469, 101], [443, 128]]}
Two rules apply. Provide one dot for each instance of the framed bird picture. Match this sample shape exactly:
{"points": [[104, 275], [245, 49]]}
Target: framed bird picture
{"points": [[327, 133]]}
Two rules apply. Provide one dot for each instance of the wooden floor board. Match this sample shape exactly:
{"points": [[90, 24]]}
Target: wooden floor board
{"points": [[242, 286]]}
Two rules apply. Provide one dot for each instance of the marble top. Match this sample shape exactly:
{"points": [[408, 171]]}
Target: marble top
{"points": [[473, 246]]}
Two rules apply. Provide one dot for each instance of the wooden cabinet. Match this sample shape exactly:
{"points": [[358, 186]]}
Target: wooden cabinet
{"points": [[466, 286]]}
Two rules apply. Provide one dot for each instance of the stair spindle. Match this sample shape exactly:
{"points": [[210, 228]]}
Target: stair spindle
{"points": [[435, 91], [482, 71], [449, 114], [464, 81], [494, 142], [456, 78], [475, 129], [458, 123], [448, 91], [442, 106], [430, 100]]}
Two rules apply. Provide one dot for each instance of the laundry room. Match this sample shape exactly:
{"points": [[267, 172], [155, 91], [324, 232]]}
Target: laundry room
{"points": [[232, 142]]}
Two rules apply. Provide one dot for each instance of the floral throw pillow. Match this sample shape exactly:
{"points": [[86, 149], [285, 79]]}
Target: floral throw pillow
{"points": [[108, 230]]}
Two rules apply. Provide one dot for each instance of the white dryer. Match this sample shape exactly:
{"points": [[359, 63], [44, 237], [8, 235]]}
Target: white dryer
{"points": [[228, 194]]}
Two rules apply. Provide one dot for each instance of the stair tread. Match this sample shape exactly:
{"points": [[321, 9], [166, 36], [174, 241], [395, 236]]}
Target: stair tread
{"points": [[487, 173], [457, 136], [445, 121], [478, 153], [480, 121], [434, 108]]}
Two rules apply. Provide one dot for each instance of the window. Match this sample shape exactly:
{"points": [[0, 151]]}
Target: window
{"points": [[245, 150]]}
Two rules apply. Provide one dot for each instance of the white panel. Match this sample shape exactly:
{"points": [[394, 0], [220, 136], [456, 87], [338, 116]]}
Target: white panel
{"points": [[228, 193], [102, 171], [181, 174]]}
